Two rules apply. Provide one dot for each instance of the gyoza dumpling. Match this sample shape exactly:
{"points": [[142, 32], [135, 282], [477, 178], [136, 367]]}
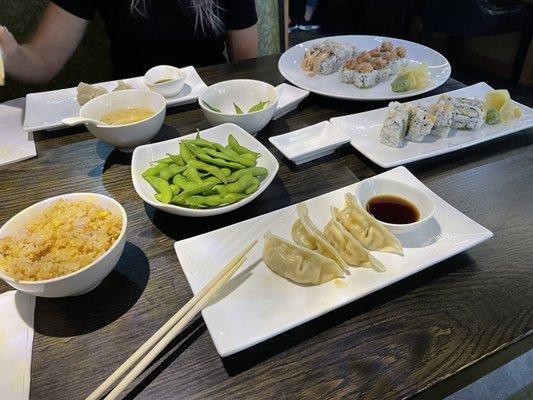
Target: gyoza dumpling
{"points": [[121, 85], [306, 234], [365, 228], [350, 249], [298, 263], [88, 92]]}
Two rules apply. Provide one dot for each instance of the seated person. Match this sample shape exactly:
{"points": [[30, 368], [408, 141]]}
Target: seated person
{"points": [[143, 33]]}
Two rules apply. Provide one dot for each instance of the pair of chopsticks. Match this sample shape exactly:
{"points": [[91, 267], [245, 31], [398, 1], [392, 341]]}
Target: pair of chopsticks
{"points": [[159, 340]]}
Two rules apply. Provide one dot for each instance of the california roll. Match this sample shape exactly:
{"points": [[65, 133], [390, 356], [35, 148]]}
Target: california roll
{"points": [[395, 124]]}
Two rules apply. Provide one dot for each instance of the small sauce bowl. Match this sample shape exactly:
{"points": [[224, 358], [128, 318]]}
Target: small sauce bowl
{"points": [[371, 188], [166, 80]]}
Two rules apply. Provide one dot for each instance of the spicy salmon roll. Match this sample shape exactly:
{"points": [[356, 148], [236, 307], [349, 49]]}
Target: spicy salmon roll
{"points": [[401, 53], [385, 46], [392, 61], [327, 57], [364, 75], [381, 68], [347, 71]]}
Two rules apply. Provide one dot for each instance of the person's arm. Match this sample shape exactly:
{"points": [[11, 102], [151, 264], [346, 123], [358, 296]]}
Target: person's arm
{"points": [[54, 41], [242, 43]]}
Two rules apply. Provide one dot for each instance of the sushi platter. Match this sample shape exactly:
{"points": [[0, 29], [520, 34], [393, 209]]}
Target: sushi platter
{"points": [[360, 67], [365, 131]]}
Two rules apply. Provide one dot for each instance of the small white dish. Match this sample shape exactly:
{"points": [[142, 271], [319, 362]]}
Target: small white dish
{"points": [[289, 98], [174, 80], [245, 93], [309, 143], [372, 187], [45, 110], [125, 137], [82, 280], [143, 156], [269, 304], [364, 128]]}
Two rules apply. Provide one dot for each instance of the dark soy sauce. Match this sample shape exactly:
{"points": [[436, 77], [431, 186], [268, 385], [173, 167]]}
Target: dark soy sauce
{"points": [[392, 209]]}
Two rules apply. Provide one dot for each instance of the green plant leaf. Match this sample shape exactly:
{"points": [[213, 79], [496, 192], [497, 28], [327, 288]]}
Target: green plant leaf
{"points": [[211, 107], [259, 106], [237, 109]]}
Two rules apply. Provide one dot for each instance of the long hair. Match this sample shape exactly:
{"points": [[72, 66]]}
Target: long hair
{"points": [[206, 15]]}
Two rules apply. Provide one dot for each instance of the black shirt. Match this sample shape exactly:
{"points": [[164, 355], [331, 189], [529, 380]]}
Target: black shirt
{"points": [[166, 35]]}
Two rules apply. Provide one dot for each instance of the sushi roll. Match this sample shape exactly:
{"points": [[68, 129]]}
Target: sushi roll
{"points": [[421, 123], [347, 71], [364, 75], [385, 46], [392, 61], [401, 53], [326, 57], [364, 57], [381, 68], [468, 113], [443, 111], [395, 124]]}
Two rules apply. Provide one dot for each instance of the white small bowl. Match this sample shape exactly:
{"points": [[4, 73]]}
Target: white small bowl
{"points": [[378, 187], [82, 280], [126, 137], [245, 93], [167, 89]]}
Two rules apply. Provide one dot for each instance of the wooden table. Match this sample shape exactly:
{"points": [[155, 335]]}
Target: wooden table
{"points": [[402, 341]]}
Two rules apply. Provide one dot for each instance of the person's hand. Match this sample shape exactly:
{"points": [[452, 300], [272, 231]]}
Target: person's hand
{"points": [[7, 42]]}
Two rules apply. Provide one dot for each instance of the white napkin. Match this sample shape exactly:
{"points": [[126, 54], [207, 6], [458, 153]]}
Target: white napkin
{"points": [[16, 342], [15, 143]]}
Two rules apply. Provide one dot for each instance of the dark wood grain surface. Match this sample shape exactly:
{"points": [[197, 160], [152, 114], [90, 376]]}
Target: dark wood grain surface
{"points": [[393, 344]]}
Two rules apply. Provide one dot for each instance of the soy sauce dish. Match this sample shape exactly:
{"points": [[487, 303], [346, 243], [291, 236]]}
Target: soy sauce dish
{"points": [[400, 207]]}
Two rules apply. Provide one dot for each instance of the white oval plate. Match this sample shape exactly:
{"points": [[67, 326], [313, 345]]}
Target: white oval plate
{"points": [[330, 85], [144, 155]]}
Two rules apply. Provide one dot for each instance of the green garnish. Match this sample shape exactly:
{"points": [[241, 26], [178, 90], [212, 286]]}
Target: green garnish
{"points": [[259, 106], [492, 117], [401, 83], [211, 107], [237, 109]]}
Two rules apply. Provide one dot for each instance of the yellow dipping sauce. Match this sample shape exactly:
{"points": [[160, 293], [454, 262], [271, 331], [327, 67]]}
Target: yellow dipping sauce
{"points": [[124, 116]]}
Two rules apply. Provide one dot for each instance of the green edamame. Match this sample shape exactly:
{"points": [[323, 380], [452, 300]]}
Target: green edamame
{"points": [[162, 187], [219, 162], [170, 171], [215, 171], [185, 153], [176, 159], [241, 159], [253, 187], [238, 148], [259, 172], [182, 182], [153, 171], [192, 175], [180, 198], [239, 186], [213, 200]]}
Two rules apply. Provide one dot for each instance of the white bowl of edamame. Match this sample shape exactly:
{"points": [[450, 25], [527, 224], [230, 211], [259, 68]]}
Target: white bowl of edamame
{"points": [[247, 103], [201, 192]]}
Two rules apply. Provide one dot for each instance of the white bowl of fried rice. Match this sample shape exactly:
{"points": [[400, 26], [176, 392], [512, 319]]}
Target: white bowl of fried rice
{"points": [[63, 246]]}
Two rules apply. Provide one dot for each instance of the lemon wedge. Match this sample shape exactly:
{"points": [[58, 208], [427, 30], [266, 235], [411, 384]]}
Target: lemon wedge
{"points": [[496, 99], [509, 111]]}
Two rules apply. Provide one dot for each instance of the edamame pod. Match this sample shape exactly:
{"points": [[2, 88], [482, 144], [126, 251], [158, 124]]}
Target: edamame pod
{"points": [[192, 175], [162, 186], [180, 198], [259, 172], [219, 162], [153, 171], [185, 152], [170, 171], [177, 159], [202, 166], [213, 200], [238, 148], [167, 160], [253, 187], [225, 171], [182, 182], [248, 160], [243, 183], [175, 189]]}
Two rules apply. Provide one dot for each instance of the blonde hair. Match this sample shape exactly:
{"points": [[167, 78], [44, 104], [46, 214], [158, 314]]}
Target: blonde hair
{"points": [[206, 14]]}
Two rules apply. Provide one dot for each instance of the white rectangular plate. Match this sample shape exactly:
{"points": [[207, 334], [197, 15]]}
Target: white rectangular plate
{"points": [[258, 304], [310, 142], [289, 98], [144, 155], [45, 110], [364, 128]]}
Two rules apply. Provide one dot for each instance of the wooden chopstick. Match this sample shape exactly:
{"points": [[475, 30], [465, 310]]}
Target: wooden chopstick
{"points": [[171, 328]]}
